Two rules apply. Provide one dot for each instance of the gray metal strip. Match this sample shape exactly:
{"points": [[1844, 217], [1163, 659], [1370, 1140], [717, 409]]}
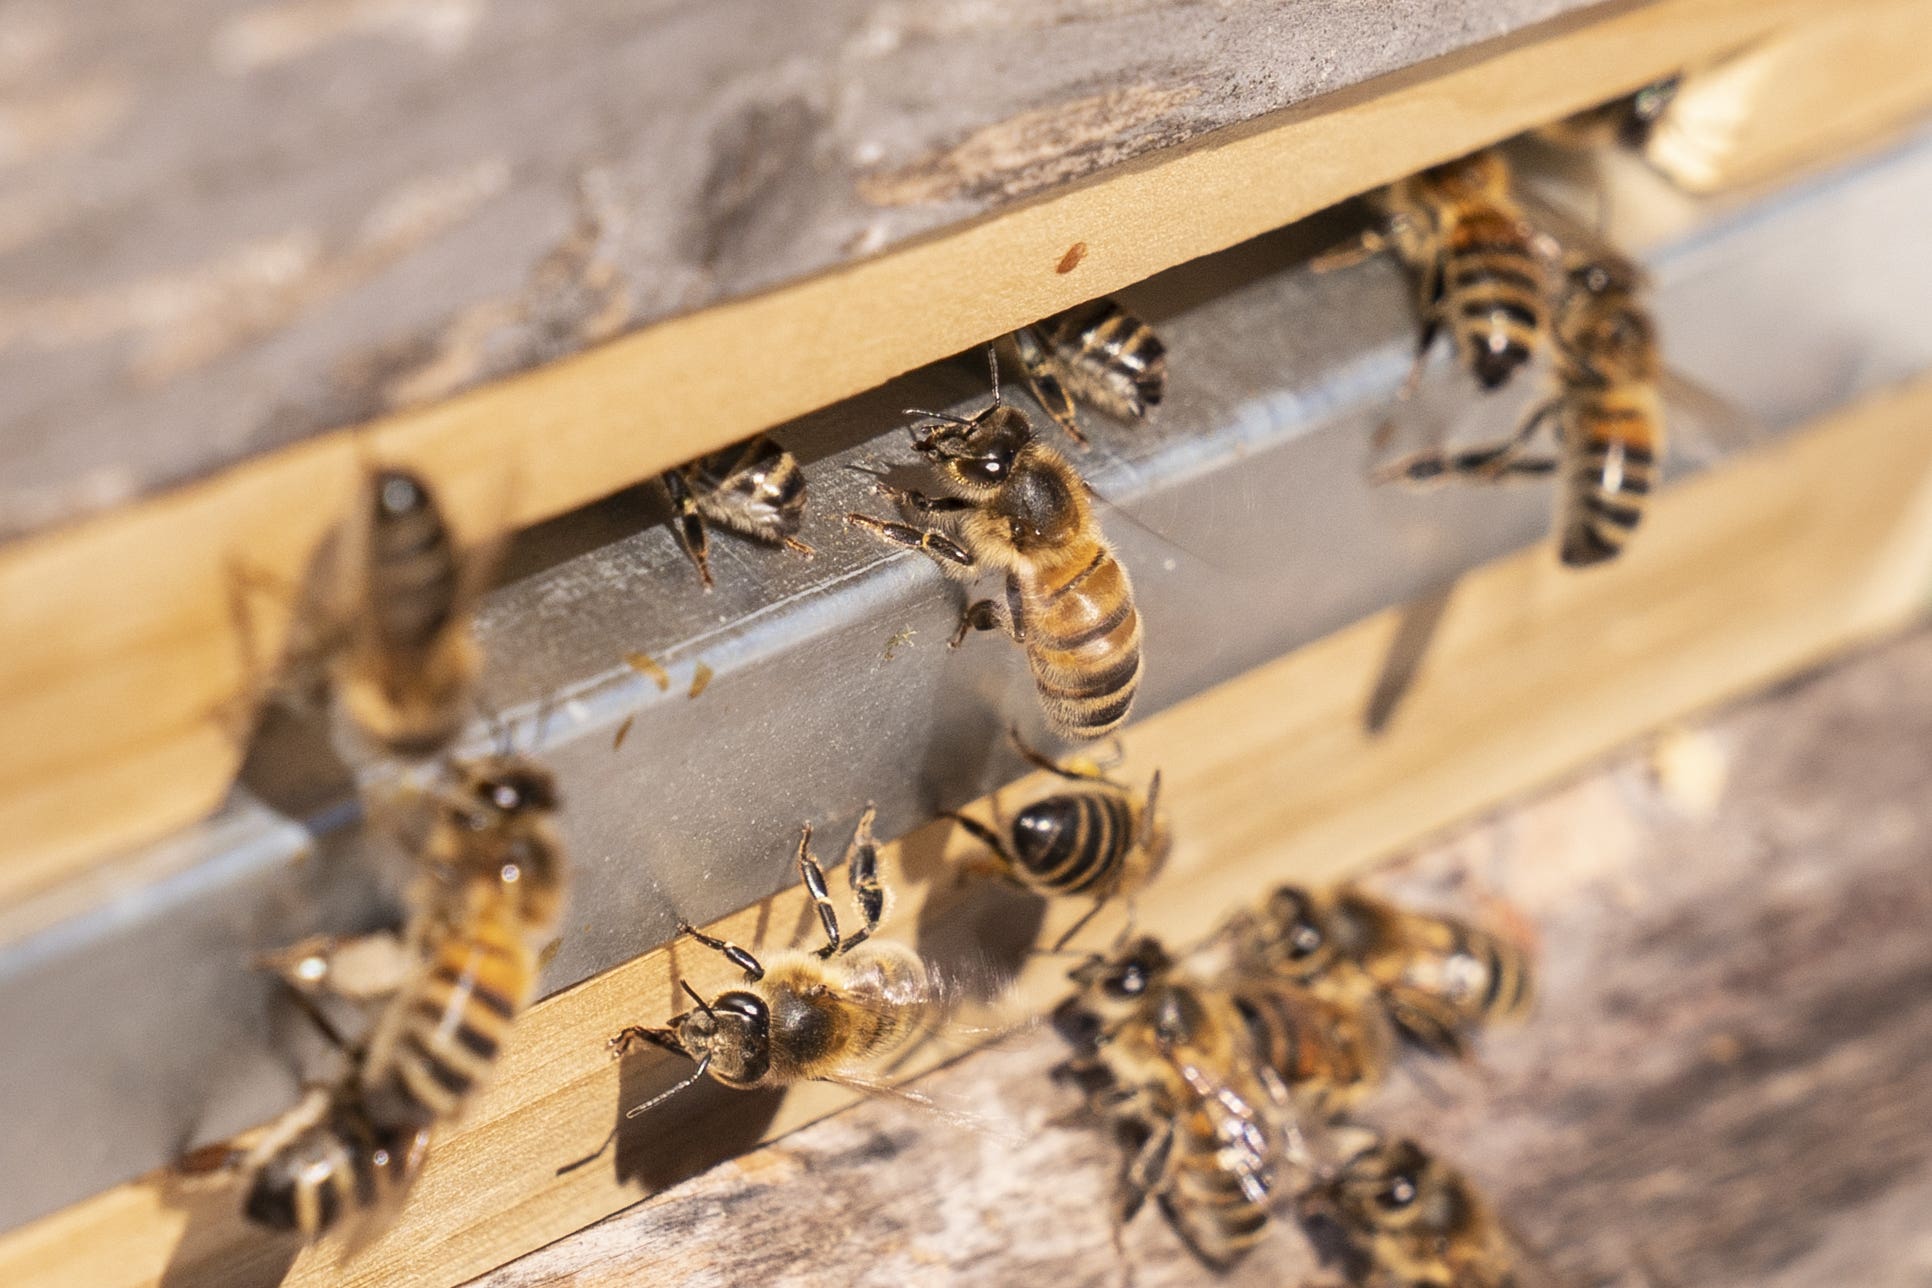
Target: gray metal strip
{"points": [[136, 1025]]}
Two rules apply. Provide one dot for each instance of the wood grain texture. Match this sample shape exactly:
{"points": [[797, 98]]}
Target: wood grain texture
{"points": [[261, 219], [1807, 96], [1743, 576], [118, 651], [1724, 1082]]}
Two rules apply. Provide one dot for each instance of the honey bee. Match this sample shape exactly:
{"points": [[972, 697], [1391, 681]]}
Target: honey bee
{"points": [[829, 1015], [1439, 978], [1418, 1223], [406, 661], [1625, 121], [1098, 354], [755, 489], [1172, 1063], [490, 898], [1019, 507], [1607, 415], [1101, 841]]}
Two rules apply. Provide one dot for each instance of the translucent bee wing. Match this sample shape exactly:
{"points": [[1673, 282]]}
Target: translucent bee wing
{"points": [[963, 1119], [1703, 425]]}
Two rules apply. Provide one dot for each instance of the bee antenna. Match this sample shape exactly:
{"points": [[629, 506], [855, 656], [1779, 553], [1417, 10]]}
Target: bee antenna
{"points": [[702, 1004], [696, 1075], [993, 364]]}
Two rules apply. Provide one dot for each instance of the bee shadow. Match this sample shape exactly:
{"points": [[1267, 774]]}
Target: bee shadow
{"points": [[216, 1244], [689, 1134]]}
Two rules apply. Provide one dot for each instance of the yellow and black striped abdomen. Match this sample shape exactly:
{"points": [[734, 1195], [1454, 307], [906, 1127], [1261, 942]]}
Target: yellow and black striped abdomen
{"points": [[1073, 843], [1083, 641], [443, 1036], [1494, 293], [414, 573], [1614, 443], [1112, 358]]}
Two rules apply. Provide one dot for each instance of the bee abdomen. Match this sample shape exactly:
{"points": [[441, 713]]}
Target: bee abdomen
{"points": [[414, 572], [306, 1188], [1612, 474], [1070, 844], [1120, 363], [1084, 644], [1211, 1202], [1493, 292], [458, 1018]]}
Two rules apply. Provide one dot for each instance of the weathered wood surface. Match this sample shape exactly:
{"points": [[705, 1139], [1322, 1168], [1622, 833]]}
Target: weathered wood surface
{"points": [[229, 225], [1726, 1082], [1784, 103]]}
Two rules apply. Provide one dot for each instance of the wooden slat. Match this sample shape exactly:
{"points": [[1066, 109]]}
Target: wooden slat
{"points": [[117, 641], [1740, 576], [1805, 96]]}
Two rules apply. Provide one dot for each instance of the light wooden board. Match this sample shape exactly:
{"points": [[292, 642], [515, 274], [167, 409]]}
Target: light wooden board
{"points": [[118, 651], [1806, 96], [1723, 1082], [1741, 576]]}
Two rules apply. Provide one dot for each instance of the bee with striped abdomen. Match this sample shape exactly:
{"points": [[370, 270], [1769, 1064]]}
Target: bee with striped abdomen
{"points": [[400, 654], [1329, 1049], [1480, 270], [1607, 416], [1019, 507], [1415, 1222], [755, 489], [1171, 1063], [1099, 354], [830, 1015], [448, 991], [1101, 841], [1439, 978]]}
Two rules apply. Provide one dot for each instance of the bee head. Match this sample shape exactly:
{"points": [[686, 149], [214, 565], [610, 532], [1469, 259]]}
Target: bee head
{"points": [[732, 1034], [509, 786], [1396, 1185], [977, 455], [1298, 934], [1113, 988], [498, 830], [1602, 318]]}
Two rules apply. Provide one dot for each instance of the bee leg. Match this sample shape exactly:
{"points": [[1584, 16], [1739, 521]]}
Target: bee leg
{"points": [[862, 871], [1370, 243], [1146, 1174], [986, 836], [1144, 834], [991, 615], [1078, 770], [933, 542], [813, 877], [359, 968], [1485, 464], [1081, 924], [626, 1040], [689, 524], [1038, 366], [737, 956]]}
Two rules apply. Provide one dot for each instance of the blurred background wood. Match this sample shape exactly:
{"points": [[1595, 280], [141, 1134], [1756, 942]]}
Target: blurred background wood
{"points": [[1725, 1082], [1826, 88]]}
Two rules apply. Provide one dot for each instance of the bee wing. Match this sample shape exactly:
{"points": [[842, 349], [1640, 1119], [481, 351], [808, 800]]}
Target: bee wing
{"points": [[953, 1115]]}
